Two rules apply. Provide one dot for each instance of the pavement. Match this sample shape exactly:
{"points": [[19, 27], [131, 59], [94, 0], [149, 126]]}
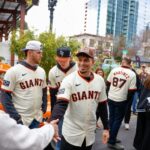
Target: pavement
{"points": [[126, 136]]}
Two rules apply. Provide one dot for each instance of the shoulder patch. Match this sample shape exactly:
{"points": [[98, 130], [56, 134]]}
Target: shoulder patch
{"points": [[61, 91], [6, 83]]}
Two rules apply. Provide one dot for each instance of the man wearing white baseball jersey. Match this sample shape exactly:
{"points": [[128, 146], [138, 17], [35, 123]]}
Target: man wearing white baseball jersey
{"points": [[24, 90], [121, 84], [77, 100], [64, 67]]}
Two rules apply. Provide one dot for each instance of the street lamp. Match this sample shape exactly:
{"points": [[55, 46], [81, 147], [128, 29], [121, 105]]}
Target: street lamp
{"points": [[51, 4]]}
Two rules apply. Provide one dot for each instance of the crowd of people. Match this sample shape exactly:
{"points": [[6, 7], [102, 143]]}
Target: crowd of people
{"points": [[79, 97]]}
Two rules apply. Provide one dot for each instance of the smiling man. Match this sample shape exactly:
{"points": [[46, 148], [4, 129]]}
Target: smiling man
{"points": [[64, 67], [77, 100], [24, 90]]}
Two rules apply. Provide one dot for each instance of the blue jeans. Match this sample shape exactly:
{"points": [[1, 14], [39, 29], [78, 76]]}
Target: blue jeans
{"points": [[134, 103], [60, 133], [116, 114]]}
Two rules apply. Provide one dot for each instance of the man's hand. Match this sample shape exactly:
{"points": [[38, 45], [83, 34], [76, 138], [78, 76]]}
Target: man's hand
{"points": [[105, 136], [56, 135]]}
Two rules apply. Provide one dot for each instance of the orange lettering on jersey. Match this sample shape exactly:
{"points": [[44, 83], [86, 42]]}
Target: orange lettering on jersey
{"points": [[22, 85], [91, 95], [96, 94], [31, 83], [40, 82], [74, 97], [79, 97], [27, 85], [84, 96], [36, 81], [122, 73]]}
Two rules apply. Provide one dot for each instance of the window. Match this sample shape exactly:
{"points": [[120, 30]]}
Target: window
{"points": [[92, 42]]}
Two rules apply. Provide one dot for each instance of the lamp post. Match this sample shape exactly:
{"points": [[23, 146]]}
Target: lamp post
{"points": [[51, 4]]}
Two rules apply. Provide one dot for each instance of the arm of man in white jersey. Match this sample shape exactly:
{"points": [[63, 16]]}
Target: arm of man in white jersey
{"points": [[25, 138], [132, 87], [53, 88], [44, 96], [6, 97], [61, 104]]}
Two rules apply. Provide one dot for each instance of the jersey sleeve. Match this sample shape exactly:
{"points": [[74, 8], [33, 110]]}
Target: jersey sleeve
{"points": [[64, 90], [51, 80], [132, 85], [9, 81], [45, 84], [103, 96]]}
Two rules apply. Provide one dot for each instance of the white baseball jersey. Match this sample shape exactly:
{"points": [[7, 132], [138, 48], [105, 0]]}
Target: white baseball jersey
{"points": [[56, 76], [122, 79], [80, 116], [26, 87]]}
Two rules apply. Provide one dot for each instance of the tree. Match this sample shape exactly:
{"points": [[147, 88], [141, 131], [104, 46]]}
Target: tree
{"points": [[50, 44], [17, 42], [48, 39], [119, 45]]}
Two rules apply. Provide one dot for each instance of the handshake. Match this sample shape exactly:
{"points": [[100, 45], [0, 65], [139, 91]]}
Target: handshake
{"points": [[54, 123]]}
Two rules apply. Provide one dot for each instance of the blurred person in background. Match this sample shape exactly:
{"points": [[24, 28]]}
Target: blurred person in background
{"points": [[121, 83], [142, 135], [100, 72], [143, 73]]}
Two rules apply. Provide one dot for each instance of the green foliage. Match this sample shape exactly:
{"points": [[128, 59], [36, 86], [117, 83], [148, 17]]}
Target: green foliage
{"points": [[50, 44], [48, 40], [75, 46], [17, 42], [1, 58], [96, 65]]}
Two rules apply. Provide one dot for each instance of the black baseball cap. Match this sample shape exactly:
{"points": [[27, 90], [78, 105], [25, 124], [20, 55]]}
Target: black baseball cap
{"points": [[64, 52]]}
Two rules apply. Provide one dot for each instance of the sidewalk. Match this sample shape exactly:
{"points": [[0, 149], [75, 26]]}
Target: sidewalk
{"points": [[126, 136]]}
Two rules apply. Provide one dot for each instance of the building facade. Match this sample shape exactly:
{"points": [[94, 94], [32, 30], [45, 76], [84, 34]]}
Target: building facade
{"points": [[143, 16], [102, 44], [112, 17]]}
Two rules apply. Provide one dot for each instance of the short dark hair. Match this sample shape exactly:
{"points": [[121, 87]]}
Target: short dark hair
{"points": [[127, 59], [147, 82]]}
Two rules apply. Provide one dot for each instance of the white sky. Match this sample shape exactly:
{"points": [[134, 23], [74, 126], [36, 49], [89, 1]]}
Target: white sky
{"points": [[68, 17]]}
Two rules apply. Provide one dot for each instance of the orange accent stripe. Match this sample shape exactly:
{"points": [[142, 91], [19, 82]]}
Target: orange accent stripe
{"points": [[132, 89], [53, 87], [62, 98], [6, 90], [105, 101], [84, 78]]}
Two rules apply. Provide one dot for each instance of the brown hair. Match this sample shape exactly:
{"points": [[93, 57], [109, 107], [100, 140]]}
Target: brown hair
{"points": [[100, 69], [127, 59], [147, 82]]}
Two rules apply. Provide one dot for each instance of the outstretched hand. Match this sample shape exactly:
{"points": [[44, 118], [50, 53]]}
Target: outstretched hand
{"points": [[54, 123], [105, 136]]}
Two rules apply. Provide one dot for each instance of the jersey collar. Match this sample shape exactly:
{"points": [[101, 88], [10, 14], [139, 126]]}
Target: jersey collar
{"points": [[24, 63]]}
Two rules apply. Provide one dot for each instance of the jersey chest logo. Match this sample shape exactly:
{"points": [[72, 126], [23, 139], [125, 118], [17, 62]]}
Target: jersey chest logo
{"points": [[84, 95], [31, 83]]}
